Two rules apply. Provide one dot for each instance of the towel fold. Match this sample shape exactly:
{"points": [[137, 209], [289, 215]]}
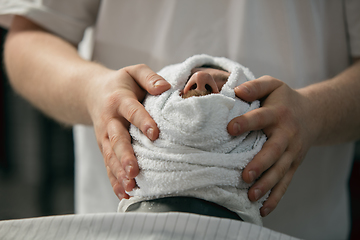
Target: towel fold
{"points": [[194, 154]]}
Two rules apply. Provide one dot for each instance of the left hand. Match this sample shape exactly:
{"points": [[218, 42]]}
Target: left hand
{"points": [[285, 117]]}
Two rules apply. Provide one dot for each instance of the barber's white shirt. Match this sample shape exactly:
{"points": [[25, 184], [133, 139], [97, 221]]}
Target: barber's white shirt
{"points": [[298, 42]]}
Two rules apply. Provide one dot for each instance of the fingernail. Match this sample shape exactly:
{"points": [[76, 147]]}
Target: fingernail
{"points": [[128, 169], [266, 212], [236, 128], [160, 83], [252, 176], [150, 133], [257, 194]]}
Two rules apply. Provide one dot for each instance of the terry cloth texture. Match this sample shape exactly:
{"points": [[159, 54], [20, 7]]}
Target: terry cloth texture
{"points": [[194, 154]]}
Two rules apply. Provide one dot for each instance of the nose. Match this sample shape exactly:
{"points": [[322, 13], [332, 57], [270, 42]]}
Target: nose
{"points": [[201, 82]]}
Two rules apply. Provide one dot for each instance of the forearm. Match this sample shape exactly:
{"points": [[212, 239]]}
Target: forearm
{"points": [[49, 73], [335, 105]]}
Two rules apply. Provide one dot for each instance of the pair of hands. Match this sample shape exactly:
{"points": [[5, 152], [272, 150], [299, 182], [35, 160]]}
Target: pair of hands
{"points": [[282, 116]]}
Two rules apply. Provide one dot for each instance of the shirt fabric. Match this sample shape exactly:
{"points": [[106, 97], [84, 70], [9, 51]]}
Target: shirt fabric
{"points": [[139, 226], [298, 42]]}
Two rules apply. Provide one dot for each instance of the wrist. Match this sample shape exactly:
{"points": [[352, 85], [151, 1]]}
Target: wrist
{"points": [[314, 113], [96, 85]]}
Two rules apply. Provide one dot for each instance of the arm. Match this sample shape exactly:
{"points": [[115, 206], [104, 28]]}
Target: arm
{"points": [[48, 72], [294, 120]]}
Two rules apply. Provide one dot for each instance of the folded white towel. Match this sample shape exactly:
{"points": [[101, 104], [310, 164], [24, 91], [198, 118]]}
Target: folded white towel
{"points": [[195, 155]]}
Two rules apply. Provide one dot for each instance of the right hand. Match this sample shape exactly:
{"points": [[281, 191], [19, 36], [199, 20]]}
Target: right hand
{"points": [[286, 116], [114, 103]]}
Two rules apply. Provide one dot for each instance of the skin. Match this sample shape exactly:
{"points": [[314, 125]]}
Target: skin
{"points": [[293, 120], [95, 95], [204, 81]]}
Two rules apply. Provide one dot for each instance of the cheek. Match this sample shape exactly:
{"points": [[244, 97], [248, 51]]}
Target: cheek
{"points": [[220, 85]]}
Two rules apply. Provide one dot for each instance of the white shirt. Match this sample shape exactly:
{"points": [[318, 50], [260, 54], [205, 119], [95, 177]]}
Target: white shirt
{"points": [[298, 42]]}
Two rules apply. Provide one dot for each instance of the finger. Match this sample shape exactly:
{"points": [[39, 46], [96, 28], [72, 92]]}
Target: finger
{"points": [[123, 174], [112, 162], [133, 111], [271, 177], [148, 79], [117, 187], [114, 170], [124, 159], [277, 193], [256, 119], [258, 88], [271, 152]]}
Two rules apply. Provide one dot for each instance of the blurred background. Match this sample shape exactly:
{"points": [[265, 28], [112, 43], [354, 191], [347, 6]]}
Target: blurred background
{"points": [[37, 162], [36, 159]]}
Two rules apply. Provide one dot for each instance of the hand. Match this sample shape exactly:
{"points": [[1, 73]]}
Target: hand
{"points": [[285, 117], [113, 103]]}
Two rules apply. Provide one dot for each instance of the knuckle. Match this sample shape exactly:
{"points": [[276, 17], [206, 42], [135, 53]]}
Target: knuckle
{"points": [[286, 117], [152, 78], [256, 86], [298, 150], [114, 138], [267, 77], [130, 109], [122, 72], [115, 184], [112, 99], [259, 120], [117, 139], [272, 79], [120, 174], [243, 121], [262, 121], [131, 113], [141, 66], [282, 170], [107, 154], [112, 164], [136, 67], [277, 149], [259, 167]]}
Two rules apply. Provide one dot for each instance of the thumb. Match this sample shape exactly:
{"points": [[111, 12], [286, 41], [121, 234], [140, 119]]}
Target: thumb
{"points": [[257, 88], [148, 79]]}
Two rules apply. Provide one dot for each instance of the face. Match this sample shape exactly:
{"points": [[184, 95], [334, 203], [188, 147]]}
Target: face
{"points": [[204, 81]]}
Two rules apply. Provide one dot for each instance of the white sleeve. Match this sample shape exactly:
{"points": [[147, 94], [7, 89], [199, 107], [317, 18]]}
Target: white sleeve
{"points": [[66, 18], [352, 9]]}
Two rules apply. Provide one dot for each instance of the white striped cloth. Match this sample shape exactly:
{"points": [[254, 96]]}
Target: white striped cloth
{"points": [[141, 226]]}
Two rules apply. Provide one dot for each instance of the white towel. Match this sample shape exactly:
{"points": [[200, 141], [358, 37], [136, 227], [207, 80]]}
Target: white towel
{"points": [[194, 154]]}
